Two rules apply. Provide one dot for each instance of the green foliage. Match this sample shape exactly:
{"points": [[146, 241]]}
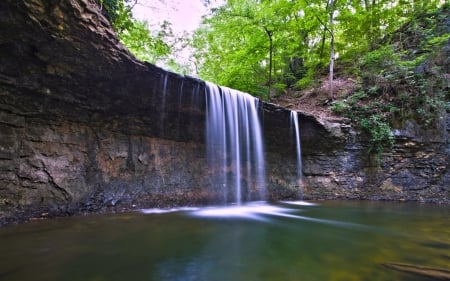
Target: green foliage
{"points": [[119, 13], [380, 59], [429, 98], [145, 47], [233, 40], [437, 41], [380, 133], [402, 79], [155, 46], [372, 116], [306, 81], [341, 106]]}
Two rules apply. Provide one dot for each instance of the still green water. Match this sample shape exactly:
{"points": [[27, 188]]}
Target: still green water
{"points": [[328, 241]]}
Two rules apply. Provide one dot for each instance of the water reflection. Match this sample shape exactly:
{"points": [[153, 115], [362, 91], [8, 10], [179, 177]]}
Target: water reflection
{"points": [[285, 241], [232, 253], [169, 210]]}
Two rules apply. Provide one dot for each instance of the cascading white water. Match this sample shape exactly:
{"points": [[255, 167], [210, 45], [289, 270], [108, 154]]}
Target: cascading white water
{"points": [[296, 129], [234, 144]]}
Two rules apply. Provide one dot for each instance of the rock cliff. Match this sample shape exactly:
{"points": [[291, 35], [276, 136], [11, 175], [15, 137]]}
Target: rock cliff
{"points": [[86, 127]]}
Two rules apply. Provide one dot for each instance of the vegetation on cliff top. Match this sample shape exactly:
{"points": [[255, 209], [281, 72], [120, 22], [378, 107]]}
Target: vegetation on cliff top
{"points": [[154, 46], [405, 78]]}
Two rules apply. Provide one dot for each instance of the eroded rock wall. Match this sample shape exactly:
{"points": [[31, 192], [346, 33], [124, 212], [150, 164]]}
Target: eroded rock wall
{"points": [[65, 166], [416, 168]]}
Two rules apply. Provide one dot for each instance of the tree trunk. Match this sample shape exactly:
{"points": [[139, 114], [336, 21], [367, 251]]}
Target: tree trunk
{"points": [[432, 272], [270, 34], [332, 56], [325, 29]]}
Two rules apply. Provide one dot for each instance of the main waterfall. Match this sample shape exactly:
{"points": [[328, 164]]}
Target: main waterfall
{"points": [[234, 144]]}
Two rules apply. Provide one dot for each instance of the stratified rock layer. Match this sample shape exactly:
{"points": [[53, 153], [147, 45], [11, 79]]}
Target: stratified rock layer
{"points": [[85, 127]]}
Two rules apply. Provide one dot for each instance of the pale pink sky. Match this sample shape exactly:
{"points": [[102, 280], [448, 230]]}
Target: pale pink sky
{"points": [[185, 15]]}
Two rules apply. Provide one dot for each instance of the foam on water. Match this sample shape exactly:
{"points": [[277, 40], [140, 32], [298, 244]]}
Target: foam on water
{"points": [[165, 211], [262, 211], [300, 203], [259, 211], [249, 211]]}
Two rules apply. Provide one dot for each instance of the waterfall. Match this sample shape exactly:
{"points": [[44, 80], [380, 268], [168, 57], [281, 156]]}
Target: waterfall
{"points": [[234, 144], [296, 130]]}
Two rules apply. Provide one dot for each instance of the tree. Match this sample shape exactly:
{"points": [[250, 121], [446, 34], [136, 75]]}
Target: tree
{"points": [[244, 39], [331, 6], [269, 82], [155, 46], [230, 47], [252, 45]]}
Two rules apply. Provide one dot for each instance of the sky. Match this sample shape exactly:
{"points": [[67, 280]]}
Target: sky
{"points": [[184, 15]]}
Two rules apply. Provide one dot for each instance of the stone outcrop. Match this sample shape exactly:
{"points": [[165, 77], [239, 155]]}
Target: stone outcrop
{"points": [[86, 127]]}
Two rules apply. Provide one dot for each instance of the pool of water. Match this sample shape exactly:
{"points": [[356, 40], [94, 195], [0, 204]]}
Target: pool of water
{"points": [[257, 241]]}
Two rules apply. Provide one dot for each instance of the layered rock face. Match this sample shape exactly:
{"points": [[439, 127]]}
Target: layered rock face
{"points": [[80, 117], [86, 127]]}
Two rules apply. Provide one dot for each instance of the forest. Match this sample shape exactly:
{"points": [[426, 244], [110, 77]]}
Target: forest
{"points": [[390, 50]]}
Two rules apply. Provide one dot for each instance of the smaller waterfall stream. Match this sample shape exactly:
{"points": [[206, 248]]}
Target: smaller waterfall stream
{"points": [[295, 127], [234, 144]]}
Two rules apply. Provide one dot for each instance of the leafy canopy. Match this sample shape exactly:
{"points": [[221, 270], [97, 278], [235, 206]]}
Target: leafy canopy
{"points": [[157, 46], [232, 45]]}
